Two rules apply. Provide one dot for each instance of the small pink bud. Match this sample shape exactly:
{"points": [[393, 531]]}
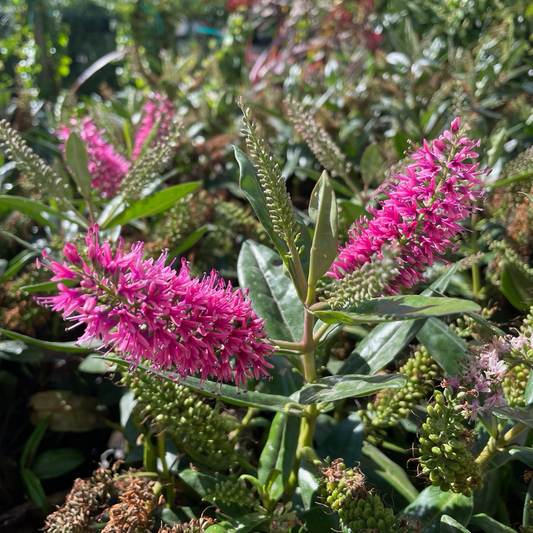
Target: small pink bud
{"points": [[38, 263], [91, 252], [87, 283], [456, 124], [71, 253]]}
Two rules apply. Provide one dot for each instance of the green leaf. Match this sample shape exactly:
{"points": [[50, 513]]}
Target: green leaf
{"points": [[386, 341], [323, 211], [401, 144], [517, 414], [334, 388], [528, 394], [16, 264], [189, 241], [229, 393], [345, 440], [443, 344], [497, 141], [450, 525], [71, 347], [272, 293], [77, 160], [94, 363], [46, 286], [393, 308], [34, 210], [371, 164], [486, 523], [18, 352], [384, 471], [157, 203], [34, 489], [308, 477], [517, 287], [318, 520], [432, 503], [30, 448], [279, 453], [56, 462]]}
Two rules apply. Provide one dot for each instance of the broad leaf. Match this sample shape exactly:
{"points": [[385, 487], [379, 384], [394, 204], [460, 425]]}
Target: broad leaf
{"points": [[486, 523], [394, 308], [345, 440], [517, 287], [323, 211], [334, 388], [56, 462], [77, 160], [157, 203], [450, 525], [432, 503], [517, 414], [308, 477], [279, 453], [443, 344]]}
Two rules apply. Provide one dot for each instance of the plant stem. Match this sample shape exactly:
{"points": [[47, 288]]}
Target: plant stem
{"points": [[476, 276], [161, 451], [500, 444]]}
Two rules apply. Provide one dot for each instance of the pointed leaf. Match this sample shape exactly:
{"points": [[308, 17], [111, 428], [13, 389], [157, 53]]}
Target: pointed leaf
{"points": [[371, 164], [486, 523], [279, 453], [393, 308], [71, 347], [16, 264], [34, 489], [54, 463], [308, 477], [517, 287], [345, 440], [323, 211], [334, 388], [157, 203], [517, 414], [450, 525], [77, 160]]}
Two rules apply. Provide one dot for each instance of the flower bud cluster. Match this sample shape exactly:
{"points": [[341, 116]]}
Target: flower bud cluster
{"points": [[359, 509], [391, 405], [232, 491], [191, 422], [514, 385], [369, 281], [444, 446]]}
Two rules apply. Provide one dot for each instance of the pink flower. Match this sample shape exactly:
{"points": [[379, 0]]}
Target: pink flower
{"points": [[107, 167], [148, 311], [155, 122], [422, 212]]}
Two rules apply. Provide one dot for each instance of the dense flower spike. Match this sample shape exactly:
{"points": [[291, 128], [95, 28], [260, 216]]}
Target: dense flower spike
{"points": [[156, 122], [106, 166], [149, 311], [422, 211]]}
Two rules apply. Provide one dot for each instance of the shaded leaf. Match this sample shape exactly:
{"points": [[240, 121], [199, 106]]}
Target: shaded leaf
{"points": [[77, 159], [517, 414], [486, 523], [450, 525], [54, 463], [71, 347], [371, 164], [16, 264], [345, 440], [34, 489]]}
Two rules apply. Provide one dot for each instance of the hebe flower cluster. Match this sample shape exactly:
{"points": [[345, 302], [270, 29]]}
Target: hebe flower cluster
{"points": [[106, 166], [148, 311], [156, 121], [422, 211]]}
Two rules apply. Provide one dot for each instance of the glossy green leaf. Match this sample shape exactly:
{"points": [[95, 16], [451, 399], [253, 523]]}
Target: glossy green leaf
{"points": [[71, 347], [334, 388], [77, 159], [486, 523], [387, 340], [34, 489], [19, 352], [323, 211], [387, 474], [432, 503], [16, 265], [401, 143], [443, 344], [242, 524], [56, 462], [279, 453], [229, 393], [371, 164], [517, 287], [517, 414], [393, 308], [345, 440], [308, 477], [528, 394], [153, 205], [318, 520], [94, 363], [450, 525], [273, 296]]}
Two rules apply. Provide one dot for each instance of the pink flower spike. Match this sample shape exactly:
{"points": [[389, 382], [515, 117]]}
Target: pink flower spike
{"points": [[456, 124], [151, 312], [421, 213]]}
